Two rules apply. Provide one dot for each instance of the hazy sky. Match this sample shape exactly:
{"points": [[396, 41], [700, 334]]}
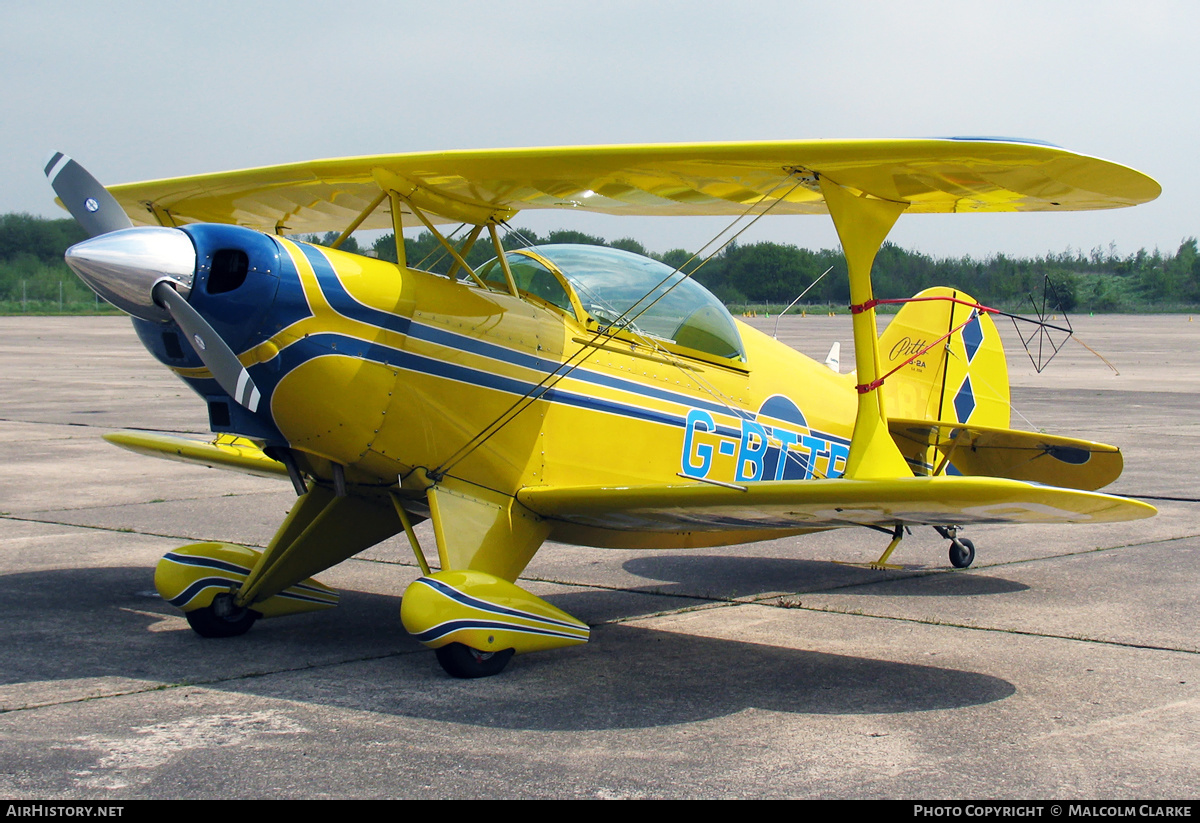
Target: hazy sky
{"points": [[146, 90]]}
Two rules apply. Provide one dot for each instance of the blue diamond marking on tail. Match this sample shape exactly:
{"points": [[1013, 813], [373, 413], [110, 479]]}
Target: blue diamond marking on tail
{"points": [[964, 401], [972, 335]]}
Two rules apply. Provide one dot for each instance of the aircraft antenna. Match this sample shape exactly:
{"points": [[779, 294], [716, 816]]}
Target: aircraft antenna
{"points": [[1042, 335]]}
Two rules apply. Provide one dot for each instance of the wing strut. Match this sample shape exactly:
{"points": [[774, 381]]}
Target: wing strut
{"points": [[398, 230], [455, 253], [357, 221], [467, 245], [862, 224], [503, 258]]}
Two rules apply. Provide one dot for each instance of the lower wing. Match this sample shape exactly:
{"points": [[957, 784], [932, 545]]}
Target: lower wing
{"points": [[937, 501], [226, 452]]}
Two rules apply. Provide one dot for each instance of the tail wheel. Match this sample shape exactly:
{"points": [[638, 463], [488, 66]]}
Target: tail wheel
{"points": [[962, 552], [222, 618], [463, 661]]}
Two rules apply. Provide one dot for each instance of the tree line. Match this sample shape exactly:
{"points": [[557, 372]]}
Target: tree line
{"points": [[32, 272], [776, 273]]}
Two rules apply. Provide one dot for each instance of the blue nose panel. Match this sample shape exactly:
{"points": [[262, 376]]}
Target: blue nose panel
{"points": [[237, 277]]}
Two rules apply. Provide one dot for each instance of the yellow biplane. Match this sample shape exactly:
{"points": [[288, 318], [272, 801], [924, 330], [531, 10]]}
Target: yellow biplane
{"points": [[574, 393]]}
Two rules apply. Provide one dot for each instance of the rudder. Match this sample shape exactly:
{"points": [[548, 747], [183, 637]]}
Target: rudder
{"points": [[962, 379]]}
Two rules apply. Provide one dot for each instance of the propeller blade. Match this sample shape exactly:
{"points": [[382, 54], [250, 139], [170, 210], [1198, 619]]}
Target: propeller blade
{"points": [[89, 203], [216, 354], [114, 271]]}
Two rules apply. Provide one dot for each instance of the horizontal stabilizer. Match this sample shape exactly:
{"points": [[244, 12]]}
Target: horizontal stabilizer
{"points": [[226, 452], [816, 504], [1017, 455]]}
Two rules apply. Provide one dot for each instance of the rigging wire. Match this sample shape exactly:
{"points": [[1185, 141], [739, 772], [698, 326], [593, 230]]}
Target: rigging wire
{"points": [[439, 249], [775, 333]]}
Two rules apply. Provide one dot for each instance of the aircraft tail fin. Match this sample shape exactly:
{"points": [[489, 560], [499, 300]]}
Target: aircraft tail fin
{"points": [[834, 360], [948, 409], [949, 369], [962, 378]]}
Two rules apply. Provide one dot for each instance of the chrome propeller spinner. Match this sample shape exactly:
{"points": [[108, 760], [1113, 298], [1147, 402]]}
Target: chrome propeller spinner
{"points": [[146, 272]]}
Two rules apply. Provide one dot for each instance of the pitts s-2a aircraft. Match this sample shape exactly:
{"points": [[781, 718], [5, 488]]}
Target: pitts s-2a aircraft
{"points": [[580, 394]]}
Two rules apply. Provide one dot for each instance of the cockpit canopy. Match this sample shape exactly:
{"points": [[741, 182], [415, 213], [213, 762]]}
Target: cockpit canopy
{"points": [[623, 291]]}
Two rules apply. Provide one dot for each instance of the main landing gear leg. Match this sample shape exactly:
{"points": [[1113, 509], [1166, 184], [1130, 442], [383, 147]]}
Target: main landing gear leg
{"points": [[962, 550], [471, 613]]}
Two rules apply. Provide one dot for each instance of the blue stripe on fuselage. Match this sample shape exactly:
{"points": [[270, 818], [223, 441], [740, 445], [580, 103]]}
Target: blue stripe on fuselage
{"points": [[342, 301], [336, 344]]}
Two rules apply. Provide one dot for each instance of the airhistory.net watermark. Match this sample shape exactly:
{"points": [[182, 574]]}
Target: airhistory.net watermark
{"points": [[63, 810]]}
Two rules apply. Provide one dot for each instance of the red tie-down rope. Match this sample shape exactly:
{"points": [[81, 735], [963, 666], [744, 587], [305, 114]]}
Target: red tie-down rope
{"points": [[859, 308]]}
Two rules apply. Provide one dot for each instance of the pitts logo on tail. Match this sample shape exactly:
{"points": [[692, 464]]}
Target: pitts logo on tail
{"points": [[776, 444], [907, 347]]}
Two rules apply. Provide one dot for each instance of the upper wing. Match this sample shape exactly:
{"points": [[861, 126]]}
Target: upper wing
{"points": [[932, 175], [802, 504]]}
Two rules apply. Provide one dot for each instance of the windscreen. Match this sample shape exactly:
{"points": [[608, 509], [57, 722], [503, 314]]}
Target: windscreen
{"points": [[615, 286]]}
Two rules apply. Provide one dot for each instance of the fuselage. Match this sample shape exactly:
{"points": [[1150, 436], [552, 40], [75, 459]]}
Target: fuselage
{"points": [[399, 373]]}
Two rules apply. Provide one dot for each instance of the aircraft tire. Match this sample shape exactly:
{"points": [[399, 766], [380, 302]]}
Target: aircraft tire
{"points": [[207, 622], [962, 553], [466, 663]]}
